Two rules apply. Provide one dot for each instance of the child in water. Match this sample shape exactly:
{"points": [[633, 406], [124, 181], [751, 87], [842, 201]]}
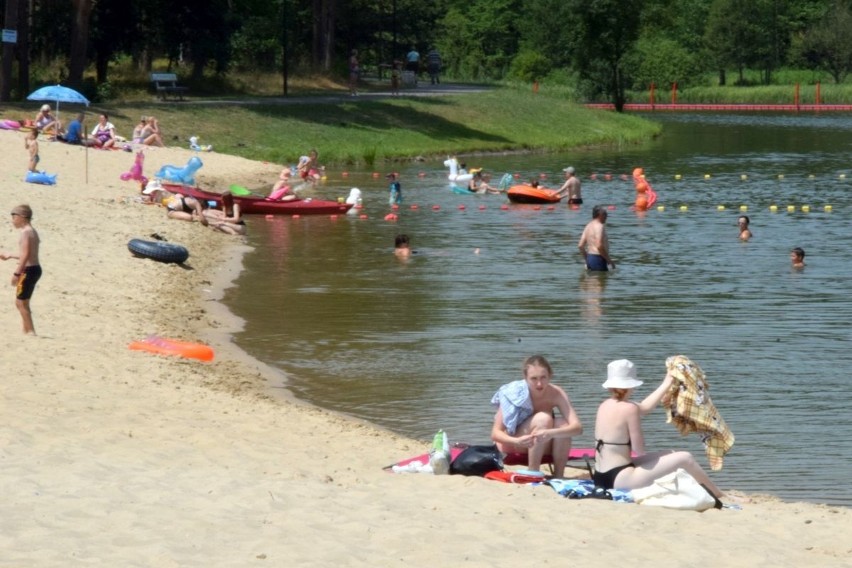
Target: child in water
{"points": [[797, 257], [395, 189], [402, 246]]}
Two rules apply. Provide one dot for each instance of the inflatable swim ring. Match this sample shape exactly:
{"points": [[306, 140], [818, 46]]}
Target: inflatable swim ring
{"points": [[162, 252], [173, 348], [8, 124]]}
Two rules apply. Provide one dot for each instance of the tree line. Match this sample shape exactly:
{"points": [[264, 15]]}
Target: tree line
{"points": [[603, 47]]}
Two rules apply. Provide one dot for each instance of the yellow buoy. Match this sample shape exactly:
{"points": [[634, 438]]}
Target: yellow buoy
{"points": [[827, 208], [706, 176], [663, 207], [791, 208], [842, 176], [743, 177], [780, 176], [806, 208], [677, 176], [811, 176], [683, 207], [743, 207], [720, 208], [773, 208]]}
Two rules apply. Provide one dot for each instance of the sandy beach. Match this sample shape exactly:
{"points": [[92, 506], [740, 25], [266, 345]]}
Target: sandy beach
{"points": [[112, 457]]}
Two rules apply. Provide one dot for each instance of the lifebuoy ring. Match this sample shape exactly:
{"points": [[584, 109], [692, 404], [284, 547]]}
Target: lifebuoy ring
{"points": [[162, 252]]}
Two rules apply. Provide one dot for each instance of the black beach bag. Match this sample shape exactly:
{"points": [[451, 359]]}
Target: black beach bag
{"points": [[477, 460]]}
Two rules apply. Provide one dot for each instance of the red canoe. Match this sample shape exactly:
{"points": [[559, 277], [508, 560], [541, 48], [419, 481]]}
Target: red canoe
{"points": [[530, 194], [260, 206]]}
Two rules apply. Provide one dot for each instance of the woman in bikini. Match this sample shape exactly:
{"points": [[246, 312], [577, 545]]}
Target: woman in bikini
{"points": [[618, 430]]}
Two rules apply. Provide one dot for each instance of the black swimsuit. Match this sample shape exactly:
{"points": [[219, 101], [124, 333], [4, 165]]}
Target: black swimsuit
{"points": [[606, 479]]}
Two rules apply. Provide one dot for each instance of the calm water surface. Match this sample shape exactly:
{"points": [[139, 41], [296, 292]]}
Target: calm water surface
{"points": [[421, 345]]}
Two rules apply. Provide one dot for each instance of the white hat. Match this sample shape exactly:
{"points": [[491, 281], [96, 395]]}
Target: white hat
{"points": [[569, 170], [152, 186], [621, 374]]}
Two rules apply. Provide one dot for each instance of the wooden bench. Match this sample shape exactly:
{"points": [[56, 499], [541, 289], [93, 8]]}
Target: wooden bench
{"points": [[166, 84]]}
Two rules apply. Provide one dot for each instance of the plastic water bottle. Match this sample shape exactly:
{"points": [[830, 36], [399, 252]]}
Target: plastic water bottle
{"points": [[439, 457]]}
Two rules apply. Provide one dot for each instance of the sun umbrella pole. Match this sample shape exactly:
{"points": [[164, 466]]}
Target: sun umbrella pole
{"points": [[86, 145]]}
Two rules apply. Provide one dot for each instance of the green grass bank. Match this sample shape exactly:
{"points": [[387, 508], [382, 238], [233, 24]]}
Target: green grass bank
{"points": [[358, 131]]}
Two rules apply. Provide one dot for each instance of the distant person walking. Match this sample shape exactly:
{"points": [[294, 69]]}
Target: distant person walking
{"points": [[354, 72], [433, 65], [594, 244], [412, 62]]}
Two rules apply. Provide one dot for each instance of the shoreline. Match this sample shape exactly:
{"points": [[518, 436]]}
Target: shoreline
{"points": [[119, 457]]}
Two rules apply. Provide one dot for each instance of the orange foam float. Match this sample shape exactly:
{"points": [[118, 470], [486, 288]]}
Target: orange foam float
{"points": [[645, 194], [414, 207], [436, 208], [391, 217], [173, 348]]}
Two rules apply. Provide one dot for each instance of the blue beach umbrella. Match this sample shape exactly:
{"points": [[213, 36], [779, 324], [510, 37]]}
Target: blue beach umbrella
{"points": [[62, 94], [59, 94]]}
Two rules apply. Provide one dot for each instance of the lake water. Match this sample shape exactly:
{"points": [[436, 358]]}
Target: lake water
{"points": [[421, 345]]}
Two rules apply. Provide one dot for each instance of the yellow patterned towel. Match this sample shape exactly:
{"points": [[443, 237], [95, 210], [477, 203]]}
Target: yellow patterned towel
{"points": [[689, 407]]}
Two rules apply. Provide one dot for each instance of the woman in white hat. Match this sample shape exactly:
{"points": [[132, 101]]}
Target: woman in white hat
{"points": [[618, 430]]}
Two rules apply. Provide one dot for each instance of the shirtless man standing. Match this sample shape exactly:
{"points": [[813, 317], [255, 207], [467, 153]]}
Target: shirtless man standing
{"points": [[28, 270], [594, 244], [571, 188]]}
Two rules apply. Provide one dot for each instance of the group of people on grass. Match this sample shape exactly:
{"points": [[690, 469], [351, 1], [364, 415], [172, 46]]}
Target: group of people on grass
{"points": [[103, 135], [146, 133]]}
